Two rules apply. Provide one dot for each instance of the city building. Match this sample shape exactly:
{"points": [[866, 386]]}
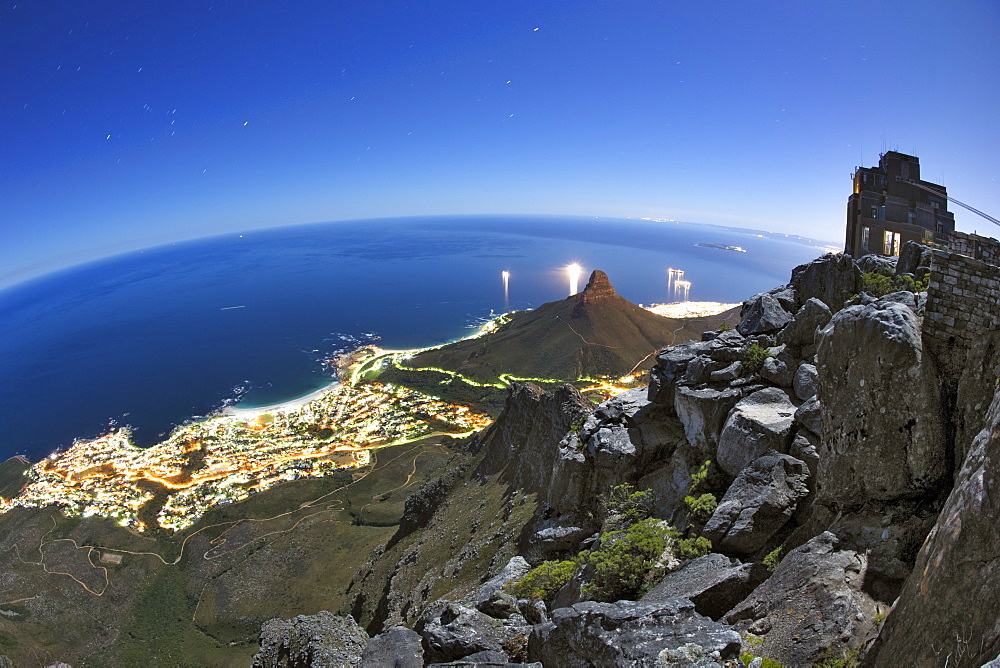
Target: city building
{"points": [[891, 205]]}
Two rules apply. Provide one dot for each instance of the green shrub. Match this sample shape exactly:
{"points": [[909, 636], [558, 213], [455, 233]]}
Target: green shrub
{"points": [[747, 657], [628, 503], [543, 581], [692, 548], [699, 476], [846, 659], [754, 356], [701, 507], [725, 328], [624, 560], [772, 559], [878, 285]]}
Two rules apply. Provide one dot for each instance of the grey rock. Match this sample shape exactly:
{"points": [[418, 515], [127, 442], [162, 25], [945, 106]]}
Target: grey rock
{"points": [[802, 449], [515, 569], [832, 279], [629, 633], [809, 319], [669, 485], [880, 405], [762, 314], [777, 372], [555, 539], [810, 415], [995, 663], [731, 372], [456, 631], [759, 422], [880, 264], [889, 534], [671, 365], [813, 603], [948, 603], [912, 256], [904, 297], [323, 639], [714, 583], [500, 605], [703, 412], [398, 647], [759, 502], [699, 370], [786, 296], [806, 381]]}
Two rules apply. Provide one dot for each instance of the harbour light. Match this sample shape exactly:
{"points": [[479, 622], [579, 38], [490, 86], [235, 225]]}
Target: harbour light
{"points": [[573, 271]]}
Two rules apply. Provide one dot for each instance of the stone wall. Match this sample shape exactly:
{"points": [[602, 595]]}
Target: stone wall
{"points": [[963, 303], [975, 246]]}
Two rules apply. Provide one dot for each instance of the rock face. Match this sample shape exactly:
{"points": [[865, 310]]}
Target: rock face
{"points": [[628, 633], [703, 412], [948, 607], [528, 432], [760, 501], [323, 639], [758, 423], [801, 331], [832, 279], [813, 604], [880, 403], [762, 314], [714, 583]]}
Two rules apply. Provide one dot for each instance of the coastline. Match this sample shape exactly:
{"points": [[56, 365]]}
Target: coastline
{"points": [[284, 406]]}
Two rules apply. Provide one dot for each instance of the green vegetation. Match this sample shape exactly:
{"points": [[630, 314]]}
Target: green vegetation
{"points": [[543, 581], [846, 659], [701, 507], [754, 357], [725, 328], [625, 559], [692, 548], [878, 285], [772, 559], [624, 504]]}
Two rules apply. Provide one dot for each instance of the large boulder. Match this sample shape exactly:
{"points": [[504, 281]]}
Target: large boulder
{"points": [[832, 279], [806, 381], [883, 433], [703, 412], [398, 647], [323, 639], [762, 314], [760, 501], [812, 607], [948, 606], [759, 422], [629, 633], [455, 631], [714, 583], [809, 319]]}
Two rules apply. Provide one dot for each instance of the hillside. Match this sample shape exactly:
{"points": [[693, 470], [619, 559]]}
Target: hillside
{"points": [[594, 333]]}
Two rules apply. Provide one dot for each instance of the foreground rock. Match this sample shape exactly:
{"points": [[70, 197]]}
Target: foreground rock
{"points": [[323, 639], [948, 611], [457, 631], [714, 583], [760, 501], [880, 404], [812, 606], [758, 423], [832, 279], [629, 633], [399, 647]]}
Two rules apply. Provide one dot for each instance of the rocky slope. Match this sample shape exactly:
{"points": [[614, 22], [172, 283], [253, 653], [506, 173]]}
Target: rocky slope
{"points": [[814, 446]]}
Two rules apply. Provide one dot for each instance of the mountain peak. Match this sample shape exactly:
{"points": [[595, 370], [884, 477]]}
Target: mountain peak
{"points": [[598, 288]]}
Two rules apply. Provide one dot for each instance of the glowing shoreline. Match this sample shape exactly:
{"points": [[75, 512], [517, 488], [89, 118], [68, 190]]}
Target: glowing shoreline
{"points": [[690, 309]]}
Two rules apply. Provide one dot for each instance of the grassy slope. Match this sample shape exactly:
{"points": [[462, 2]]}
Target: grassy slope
{"points": [[201, 612]]}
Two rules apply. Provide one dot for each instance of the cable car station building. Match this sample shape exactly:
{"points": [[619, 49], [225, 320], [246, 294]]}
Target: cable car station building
{"points": [[890, 205]]}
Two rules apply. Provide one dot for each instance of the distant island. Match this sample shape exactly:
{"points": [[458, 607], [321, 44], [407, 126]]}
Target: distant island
{"points": [[738, 249]]}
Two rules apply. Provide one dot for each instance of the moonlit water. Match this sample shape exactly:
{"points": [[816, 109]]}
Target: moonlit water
{"points": [[155, 337]]}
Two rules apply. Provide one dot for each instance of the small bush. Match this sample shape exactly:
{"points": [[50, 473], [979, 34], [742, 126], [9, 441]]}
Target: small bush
{"points": [[772, 559], [747, 657], [846, 659], [701, 507], [543, 581], [699, 476], [725, 328], [624, 559], [878, 285], [754, 357], [692, 548], [628, 503]]}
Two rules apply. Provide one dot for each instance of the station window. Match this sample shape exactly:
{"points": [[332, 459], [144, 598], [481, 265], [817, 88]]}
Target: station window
{"points": [[865, 236]]}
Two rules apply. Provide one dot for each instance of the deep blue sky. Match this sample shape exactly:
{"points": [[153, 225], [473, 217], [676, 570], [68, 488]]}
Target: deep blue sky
{"points": [[128, 124]]}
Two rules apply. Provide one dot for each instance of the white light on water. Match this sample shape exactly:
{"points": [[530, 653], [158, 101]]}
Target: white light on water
{"points": [[683, 289], [506, 285], [573, 271], [677, 287]]}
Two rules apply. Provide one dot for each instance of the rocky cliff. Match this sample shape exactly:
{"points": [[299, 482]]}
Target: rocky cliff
{"points": [[803, 503]]}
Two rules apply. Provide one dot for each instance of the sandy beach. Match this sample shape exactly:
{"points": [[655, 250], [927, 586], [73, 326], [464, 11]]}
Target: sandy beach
{"points": [[283, 407]]}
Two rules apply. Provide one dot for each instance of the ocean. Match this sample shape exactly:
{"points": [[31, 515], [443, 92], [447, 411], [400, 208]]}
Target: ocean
{"points": [[156, 337]]}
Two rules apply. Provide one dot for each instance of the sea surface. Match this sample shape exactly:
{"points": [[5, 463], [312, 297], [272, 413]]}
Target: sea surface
{"points": [[156, 337]]}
